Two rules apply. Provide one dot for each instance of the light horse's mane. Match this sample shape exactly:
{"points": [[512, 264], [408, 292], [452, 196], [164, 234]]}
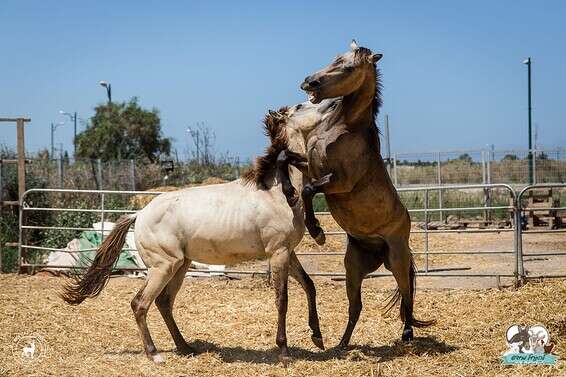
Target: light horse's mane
{"points": [[274, 127]]}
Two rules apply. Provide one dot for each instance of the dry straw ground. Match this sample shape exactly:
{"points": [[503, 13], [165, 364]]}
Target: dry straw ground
{"points": [[232, 323]]}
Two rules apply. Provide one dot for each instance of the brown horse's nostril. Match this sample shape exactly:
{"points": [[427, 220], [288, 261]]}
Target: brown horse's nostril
{"points": [[314, 83]]}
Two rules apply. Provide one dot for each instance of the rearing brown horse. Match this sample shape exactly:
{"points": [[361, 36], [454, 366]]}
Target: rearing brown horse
{"points": [[344, 157]]}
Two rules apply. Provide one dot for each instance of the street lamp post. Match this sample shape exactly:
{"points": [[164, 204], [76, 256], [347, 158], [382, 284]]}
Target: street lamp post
{"points": [[531, 178], [108, 90], [73, 117], [53, 128]]}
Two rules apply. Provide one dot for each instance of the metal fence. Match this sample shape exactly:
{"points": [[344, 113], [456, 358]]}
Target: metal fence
{"points": [[472, 166], [514, 208], [466, 166]]}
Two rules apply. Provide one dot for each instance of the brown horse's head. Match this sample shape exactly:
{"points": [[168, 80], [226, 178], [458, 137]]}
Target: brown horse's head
{"points": [[345, 75]]}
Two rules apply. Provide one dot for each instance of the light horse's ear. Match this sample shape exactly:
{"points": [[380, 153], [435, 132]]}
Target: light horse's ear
{"points": [[374, 58], [354, 45]]}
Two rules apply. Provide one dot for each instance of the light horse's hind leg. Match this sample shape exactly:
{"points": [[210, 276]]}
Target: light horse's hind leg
{"points": [[164, 303], [359, 261], [157, 278], [280, 274], [298, 273]]}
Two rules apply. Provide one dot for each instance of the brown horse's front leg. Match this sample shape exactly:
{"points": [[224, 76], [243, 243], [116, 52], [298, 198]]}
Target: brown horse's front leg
{"points": [[280, 273], [311, 222]]}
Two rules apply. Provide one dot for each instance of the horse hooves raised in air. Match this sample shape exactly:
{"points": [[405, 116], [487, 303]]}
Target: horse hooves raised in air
{"points": [[318, 342], [407, 335]]}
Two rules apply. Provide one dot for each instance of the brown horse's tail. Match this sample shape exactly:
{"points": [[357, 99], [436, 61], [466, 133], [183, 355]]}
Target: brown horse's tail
{"points": [[396, 297], [95, 278]]}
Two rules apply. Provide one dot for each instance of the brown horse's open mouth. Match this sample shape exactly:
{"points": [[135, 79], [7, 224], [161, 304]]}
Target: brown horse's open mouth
{"points": [[312, 96]]}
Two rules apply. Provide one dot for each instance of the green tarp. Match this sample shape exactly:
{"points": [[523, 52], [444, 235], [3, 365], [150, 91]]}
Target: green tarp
{"points": [[92, 240]]}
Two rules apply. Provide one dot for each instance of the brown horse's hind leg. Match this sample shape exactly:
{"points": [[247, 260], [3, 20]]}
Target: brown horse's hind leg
{"points": [[157, 278], [280, 274], [359, 261], [164, 303], [400, 263], [298, 273]]}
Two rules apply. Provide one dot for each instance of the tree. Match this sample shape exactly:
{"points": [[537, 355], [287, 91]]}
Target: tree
{"points": [[510, 157], [203, 139], [466, 158], [123, 131]]}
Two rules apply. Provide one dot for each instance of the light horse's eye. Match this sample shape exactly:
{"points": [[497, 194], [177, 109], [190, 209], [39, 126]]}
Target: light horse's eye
{"points": [[298, 106]]}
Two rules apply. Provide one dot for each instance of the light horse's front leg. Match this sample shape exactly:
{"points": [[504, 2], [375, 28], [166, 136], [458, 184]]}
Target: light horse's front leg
{"points": [[284, 263]]}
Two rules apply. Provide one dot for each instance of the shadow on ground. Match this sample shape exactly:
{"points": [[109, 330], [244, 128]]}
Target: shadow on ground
{"points": [[419, 346]]}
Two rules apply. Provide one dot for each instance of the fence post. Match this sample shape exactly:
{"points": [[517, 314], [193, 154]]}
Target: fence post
{"points": [[102, 217], [99, 170], [426, 230], [439, 179], [1, 206], [484, 181], [534, 167], [60, 171], [133, 174], [395, 170]]}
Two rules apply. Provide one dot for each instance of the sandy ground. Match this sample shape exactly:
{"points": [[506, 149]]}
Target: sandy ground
{"points": [[233, 325]]}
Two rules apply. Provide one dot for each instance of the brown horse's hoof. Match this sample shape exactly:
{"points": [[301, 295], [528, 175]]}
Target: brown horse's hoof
{"points": [[407, 335], [292, 200], [318, 342], [285, 360], [320, 238]]}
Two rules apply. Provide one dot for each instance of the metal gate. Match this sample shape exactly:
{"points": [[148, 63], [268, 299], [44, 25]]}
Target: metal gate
{"points": [[512, 209]]}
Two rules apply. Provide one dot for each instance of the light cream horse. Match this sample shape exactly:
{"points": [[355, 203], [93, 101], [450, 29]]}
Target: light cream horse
{"points": [[221, 224]]}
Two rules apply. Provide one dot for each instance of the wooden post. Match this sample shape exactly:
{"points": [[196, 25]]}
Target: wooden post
{"points": [[21, 158], [21, 161]]}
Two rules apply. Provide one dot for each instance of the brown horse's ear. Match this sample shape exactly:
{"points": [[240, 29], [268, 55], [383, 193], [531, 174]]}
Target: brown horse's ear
{"points": [[354, 45], [374, 58]]}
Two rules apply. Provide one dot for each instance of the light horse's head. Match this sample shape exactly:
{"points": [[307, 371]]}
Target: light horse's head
{"points": [[344, 76], [287, 129]]}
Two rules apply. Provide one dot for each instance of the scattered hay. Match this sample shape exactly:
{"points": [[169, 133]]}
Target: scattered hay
{"points": [[233, 325]]}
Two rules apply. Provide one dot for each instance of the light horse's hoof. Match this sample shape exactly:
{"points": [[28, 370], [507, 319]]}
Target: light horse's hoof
{"points": [[156, 358], [285, 360], [318, 342]]}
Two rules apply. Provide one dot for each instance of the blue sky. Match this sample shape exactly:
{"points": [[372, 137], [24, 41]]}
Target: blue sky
{"points": [[452, 70]]}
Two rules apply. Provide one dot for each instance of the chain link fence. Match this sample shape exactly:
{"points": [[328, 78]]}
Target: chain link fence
{"points": [[478, 166]]}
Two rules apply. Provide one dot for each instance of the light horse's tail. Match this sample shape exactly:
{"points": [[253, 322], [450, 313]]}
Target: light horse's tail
{"points": [[396, 297], [95, 278]]}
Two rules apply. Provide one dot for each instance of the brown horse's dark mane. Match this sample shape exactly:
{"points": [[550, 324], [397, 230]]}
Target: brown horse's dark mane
{"points": [[360, 57], [274, 127]]}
